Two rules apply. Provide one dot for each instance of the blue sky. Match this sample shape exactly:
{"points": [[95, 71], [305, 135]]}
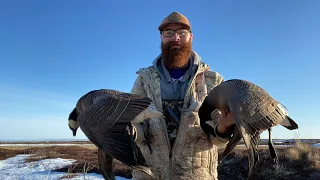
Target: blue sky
{"points": [[53, 52]]}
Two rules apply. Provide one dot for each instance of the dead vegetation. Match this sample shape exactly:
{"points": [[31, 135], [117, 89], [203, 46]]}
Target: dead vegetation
{"points": [[6, 153], [297, 162]]}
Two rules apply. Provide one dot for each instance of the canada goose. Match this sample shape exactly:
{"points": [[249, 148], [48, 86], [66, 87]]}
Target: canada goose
{"points": [[104, 116], [254, 111]]}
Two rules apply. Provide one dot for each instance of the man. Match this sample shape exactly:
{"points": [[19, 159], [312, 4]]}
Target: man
{"points": [[177, 83]]}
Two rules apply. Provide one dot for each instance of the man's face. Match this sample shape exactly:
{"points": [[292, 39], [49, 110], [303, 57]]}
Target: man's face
{"points": [[176, 46]]}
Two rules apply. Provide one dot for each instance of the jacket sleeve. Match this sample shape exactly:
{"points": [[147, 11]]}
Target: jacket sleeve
{"points": [[138, 128]]}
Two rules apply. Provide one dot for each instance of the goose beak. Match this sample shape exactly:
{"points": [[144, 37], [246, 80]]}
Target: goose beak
{"points": [[74, 132]]}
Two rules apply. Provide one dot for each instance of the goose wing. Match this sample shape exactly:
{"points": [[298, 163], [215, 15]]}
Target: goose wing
{"points": [[249, 109], [262, 110], [104, 122], [111, 109], [251, 140], [254, 107]]}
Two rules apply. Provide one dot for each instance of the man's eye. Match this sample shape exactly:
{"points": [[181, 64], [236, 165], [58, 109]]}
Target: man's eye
{"points": [[168, 33]]}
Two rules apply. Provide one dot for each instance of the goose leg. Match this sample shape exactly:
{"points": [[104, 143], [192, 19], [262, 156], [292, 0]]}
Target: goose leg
{"points": [[253, 157], [231, 144], [250, 135], [147, 137], [132, 142], [250, 143], [256, 158], [106, 165], [273, 152]]}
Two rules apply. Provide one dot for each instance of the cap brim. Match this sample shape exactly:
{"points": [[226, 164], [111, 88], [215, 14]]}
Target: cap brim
{"points": [[164, 24]]}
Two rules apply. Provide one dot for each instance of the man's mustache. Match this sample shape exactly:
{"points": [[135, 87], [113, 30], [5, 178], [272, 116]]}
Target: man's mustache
{"points": [[173, 44]]}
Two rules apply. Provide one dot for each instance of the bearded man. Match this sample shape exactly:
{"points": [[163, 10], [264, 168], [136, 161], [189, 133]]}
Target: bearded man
{"points": [[177, 83]]}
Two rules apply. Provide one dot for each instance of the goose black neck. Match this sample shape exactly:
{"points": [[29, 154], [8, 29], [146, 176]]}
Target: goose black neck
{"points": [[205, 115]]}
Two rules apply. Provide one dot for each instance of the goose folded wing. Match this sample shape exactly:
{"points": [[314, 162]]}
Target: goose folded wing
{"points": [[114, 112], [250, 109], [105, 124], [254, 107]]}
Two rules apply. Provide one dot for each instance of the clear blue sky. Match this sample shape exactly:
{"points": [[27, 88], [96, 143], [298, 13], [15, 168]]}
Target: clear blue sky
{"points": [[53, 52]]}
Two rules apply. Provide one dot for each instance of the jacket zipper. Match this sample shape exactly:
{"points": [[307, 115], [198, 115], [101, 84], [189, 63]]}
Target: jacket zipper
{"points": [[184, 104], [165, 131], [164, 127]]}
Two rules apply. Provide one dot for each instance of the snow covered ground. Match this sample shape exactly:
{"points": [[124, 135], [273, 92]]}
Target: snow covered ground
{"points": [[16, 168]]}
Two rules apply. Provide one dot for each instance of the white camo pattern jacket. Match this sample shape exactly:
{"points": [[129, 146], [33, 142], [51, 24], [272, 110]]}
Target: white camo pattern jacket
{"points": [[194, 156]]}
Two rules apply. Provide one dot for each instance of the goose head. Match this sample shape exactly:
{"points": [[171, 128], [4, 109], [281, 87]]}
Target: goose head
{"points": [[73, 123]]}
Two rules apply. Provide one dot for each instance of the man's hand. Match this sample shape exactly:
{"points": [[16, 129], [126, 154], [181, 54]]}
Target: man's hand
{"points": [[225, 122]]}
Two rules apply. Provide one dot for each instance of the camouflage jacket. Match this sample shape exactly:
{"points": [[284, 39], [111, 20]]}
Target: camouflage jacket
{"points": [[193, 155]]}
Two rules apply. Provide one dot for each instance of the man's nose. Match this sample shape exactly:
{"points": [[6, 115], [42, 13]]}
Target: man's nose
{"points": [[176, 37]]}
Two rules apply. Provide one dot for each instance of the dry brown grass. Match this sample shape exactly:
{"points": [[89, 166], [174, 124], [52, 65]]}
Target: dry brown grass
{"points": [[68, 176], [298, 162], [6, 153]]}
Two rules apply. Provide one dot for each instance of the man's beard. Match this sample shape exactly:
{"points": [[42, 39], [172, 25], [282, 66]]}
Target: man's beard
{"points": [[178, 57]]}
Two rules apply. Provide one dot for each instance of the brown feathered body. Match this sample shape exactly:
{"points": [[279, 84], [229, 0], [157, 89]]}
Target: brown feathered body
{"points": [[254, 111], [104, 115]]}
